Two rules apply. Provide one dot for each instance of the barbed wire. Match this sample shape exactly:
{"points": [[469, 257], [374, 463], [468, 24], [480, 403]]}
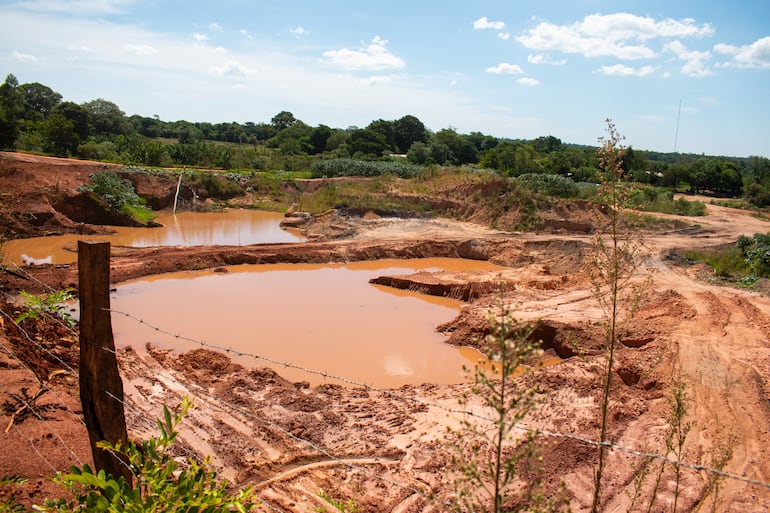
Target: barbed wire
{"points": [[39, 346], [44, 384], [31, 444], [42, 419], [245, 413], [525, 429], [522, 428]]}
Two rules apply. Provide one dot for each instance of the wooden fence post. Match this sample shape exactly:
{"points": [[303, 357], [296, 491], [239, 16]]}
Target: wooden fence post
{"points": [[101, 389]]}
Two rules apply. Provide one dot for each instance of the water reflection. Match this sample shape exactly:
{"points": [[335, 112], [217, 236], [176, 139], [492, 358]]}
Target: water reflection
{"points": [[230, 227], [322, 317]]}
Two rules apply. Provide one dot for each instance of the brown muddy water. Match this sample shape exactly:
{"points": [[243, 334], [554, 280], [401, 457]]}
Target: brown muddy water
{"points": [[321, 318], [232, 227]]}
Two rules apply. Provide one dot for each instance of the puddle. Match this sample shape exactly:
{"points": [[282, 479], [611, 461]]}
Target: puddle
{"points": [[232, 227], [325, 318]]}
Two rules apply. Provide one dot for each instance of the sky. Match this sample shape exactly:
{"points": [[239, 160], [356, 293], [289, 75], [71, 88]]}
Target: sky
{"points": [[691, 76]]}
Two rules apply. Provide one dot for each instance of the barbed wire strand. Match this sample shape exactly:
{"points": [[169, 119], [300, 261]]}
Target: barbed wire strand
{"points": [[201, 392], [525, 429], [31, 443], [369, 387], [26, 367], [42, 419], [191, 454], [36, 343], [58, 398]]}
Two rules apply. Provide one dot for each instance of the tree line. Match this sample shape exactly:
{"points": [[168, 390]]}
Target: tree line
{"points": [[34, 117]]}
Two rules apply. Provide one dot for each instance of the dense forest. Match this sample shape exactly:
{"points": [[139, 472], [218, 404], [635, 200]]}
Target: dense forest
{"points": [[34, 117]]}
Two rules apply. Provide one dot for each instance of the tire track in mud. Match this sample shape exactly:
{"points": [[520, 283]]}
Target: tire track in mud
{"points": [[715, 354]]}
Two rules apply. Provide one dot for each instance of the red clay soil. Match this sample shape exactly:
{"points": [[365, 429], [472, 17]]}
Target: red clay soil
{"points": [[390, 449]]}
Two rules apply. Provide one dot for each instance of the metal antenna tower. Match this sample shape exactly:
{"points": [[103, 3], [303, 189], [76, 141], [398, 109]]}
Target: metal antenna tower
{"points": [[676, 134]]}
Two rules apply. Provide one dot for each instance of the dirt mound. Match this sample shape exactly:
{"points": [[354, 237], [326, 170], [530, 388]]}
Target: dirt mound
{"points": [[40, 197]]}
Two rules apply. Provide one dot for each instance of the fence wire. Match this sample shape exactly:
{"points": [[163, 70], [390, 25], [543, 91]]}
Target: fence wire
{"points": [[342, 379], [520, 427]]}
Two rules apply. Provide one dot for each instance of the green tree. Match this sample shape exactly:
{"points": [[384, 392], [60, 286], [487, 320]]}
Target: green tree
{"points": [[461, 149], [546, 144], [633, 162], [11, 111], [368, 142], [525, 160], [419, 153], [502, 157], [59, 135], [105, 117], [283, 120], [77, 114], [407, 131], [319, 137], [387, 129], [293, 140], [39, 100]]}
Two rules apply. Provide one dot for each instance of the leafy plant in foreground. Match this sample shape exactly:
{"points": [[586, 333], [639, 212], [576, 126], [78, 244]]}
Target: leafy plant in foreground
{"points": [[348, 506], [45, 306], [491, 460], [8, 502], [160, 483]]}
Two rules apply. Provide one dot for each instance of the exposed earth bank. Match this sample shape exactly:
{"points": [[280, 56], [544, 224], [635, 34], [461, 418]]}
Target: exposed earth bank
{"points": [[388, 449]]}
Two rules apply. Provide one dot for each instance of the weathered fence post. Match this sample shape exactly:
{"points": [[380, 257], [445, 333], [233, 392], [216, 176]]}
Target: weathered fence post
{"points": [[101, 389]]}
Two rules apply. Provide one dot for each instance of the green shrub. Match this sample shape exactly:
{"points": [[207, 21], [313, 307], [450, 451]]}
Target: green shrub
{"points": [[45, 306], [114, 190], [209, 185], [655, 199], [551, 185], [351, 167], [119, 194], [726, 262], [161, 483]]}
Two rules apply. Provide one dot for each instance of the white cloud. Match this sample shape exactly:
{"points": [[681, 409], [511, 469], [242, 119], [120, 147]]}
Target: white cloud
{"points": [[230, 69], [78, 7], [544, 58], [528, 81], [372, 57], [621, 70], [755, 55], [245, 33], [141, 50], [200, 37], [694, 61], [299, 32], [505, 36], [505, 68], [216, 27], [24, 57], [484, 23], [620, 35]]}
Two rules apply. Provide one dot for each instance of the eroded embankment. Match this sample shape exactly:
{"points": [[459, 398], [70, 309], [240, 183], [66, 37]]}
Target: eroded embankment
{"points": [[130, 263]]}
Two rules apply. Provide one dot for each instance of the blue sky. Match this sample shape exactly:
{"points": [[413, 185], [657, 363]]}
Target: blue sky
{"points": [[516, 69]]}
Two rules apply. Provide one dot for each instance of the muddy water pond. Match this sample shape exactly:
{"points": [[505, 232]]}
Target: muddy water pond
{"points": [[324, 318], [232, 227]]}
